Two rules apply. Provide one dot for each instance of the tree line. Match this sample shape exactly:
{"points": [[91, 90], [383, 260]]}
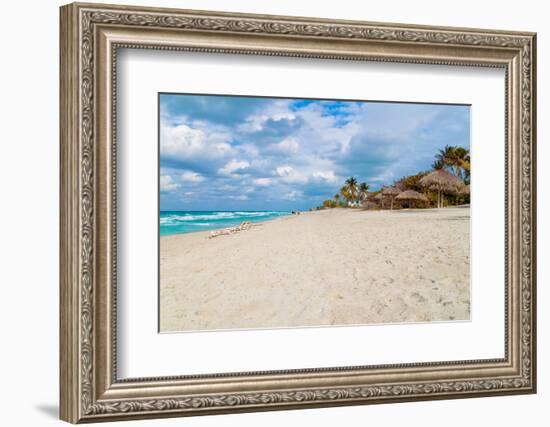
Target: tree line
{"points": [[447, 183]]}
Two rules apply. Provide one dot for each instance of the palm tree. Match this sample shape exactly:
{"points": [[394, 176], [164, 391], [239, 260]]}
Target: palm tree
{"points": [[363, 188], [437, 164], [445, 157], [351, 185], [344, 191], [328, 203], [462, 163], [337, 199], [456, 158], [466, 167]]}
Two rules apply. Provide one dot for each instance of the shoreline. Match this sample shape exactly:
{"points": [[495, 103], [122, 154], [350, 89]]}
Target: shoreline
{"points": [[207, 232], [330, 267], [230, 223]]}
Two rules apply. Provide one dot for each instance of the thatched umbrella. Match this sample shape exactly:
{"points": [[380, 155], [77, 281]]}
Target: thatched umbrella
{"points": [[464, 193], [391, 192], [411, 196], [465, 189], [379, 199], [441, 180]]}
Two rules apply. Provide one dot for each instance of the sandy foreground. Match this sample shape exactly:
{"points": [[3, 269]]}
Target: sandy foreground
{"points": [[334, 267]]}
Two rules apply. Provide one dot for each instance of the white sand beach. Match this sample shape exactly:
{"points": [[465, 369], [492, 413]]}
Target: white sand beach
{"points": [[331, 267]]}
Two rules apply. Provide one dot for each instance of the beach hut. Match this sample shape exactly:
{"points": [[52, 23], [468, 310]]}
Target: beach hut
{"points": [[391, 192], [442, 181], [412, 197]]}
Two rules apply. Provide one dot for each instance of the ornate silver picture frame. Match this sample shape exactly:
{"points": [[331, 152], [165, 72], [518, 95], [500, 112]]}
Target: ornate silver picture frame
{"points": [[91, 35]]}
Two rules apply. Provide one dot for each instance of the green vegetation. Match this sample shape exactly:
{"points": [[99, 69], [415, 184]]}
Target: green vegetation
{"points": [[448, 183], [455, 158]]}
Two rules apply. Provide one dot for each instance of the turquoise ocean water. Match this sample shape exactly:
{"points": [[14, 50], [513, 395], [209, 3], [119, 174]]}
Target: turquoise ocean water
{"points": [[177, 222]]}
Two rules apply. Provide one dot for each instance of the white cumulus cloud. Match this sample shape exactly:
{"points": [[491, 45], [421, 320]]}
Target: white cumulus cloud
{"points": [[276, 111], [184, 142], [233, 166], [167, 184], [190, 176], [293, 195], [263, 182], [289, 174], [327, 176], [288, 145]]}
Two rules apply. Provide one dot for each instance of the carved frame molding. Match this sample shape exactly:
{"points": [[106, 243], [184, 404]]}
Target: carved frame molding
{"points": [[90, 390]]}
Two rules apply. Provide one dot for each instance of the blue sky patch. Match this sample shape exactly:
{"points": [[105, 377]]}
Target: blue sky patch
{"points": [[253, 153]]}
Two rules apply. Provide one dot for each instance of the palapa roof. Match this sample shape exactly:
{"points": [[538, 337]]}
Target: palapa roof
{"points": [[465, 190], [411, 195], [441, 179], [379, 196], [391, 191]]}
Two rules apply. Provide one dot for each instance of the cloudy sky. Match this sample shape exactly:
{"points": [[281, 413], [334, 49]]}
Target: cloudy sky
{"points": [[251, 153]]}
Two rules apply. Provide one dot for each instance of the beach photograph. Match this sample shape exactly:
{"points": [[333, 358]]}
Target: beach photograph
{"points": [[291, 212]]}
